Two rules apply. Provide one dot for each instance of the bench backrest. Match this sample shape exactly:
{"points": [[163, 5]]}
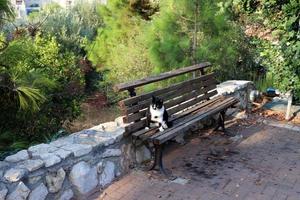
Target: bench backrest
{"points": [[177, 97]]}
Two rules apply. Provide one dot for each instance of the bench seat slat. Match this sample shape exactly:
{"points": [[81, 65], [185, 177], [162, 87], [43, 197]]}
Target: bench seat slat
{"points": [[160, 138], [179, 116]]}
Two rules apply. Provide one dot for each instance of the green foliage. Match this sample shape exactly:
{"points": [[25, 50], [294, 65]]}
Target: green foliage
{"points": [[189, 32], [40, 89], [72, 28], [6, 11], [263, 83], [280, 55], [119, 50]]}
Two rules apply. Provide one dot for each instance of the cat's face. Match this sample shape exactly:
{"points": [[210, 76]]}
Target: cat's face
{"points": [[157, 103]]}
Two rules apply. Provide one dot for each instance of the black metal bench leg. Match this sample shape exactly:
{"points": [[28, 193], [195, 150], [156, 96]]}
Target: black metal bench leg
{"points": [[222, 125], [159, 152], [158, 160], [221, 122]]}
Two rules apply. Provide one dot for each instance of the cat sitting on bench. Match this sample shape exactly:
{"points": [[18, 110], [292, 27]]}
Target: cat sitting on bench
{"points": [[157, 114]]}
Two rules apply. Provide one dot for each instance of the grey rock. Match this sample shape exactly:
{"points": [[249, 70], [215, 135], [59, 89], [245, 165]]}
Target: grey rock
{"points": [[34, 179], [50, 159], [14, 174], [39, 149], [20, 193], [3, 164], [32, 165], [108, 138], [39, 193], [67, 195], [63, 154], [231, 86], [142, 154], [111, 153], [3, 192], [109, 126], [100, 167], [63, 141], [83, 177], [55, 180], [87, 137], [180, 181], [108, 174], [21, 155], [78, 149]]}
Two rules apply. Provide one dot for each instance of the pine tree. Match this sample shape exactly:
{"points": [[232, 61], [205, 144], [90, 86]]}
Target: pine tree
{"points": [[118, 47], [191, 31]]}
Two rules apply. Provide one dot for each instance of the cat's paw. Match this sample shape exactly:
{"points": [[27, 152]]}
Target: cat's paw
{"points": [[161, 129], [147, 128], [164, 125]]}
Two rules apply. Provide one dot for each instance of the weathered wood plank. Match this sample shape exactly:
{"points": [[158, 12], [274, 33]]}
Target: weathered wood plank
{"points": [[162, 76], [194, 101], [139, 111], [170, 95], [137, 125], [180, 116], [185, 125], [178, 86]]}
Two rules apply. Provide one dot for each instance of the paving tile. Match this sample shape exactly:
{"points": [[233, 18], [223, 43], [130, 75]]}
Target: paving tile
{"points": [[263, 166]]}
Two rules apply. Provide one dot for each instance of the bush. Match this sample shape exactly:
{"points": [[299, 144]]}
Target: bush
{"points": [[279, 52], [40, 89]]}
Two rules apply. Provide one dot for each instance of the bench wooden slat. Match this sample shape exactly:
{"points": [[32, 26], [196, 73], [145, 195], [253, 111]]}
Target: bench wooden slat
{"points": [[175, 87], [168, 104], [185, 125], [162, 76], [200, 111], [173, 94], [194, 101], [139, 124], [181, 115]]}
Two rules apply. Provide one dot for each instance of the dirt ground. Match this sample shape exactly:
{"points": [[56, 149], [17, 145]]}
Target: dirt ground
{"points": [[95, 110]]}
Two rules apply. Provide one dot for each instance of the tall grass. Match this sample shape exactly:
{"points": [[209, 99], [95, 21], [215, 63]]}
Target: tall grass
{"points": [[262, 83]]}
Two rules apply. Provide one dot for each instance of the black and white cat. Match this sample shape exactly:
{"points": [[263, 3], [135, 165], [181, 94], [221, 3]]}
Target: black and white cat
{"points": [[157, 114]]}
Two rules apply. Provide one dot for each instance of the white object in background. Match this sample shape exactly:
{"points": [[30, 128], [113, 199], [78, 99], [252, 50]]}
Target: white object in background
{"points": [[254, 94], [289, 105], [229, 87]]}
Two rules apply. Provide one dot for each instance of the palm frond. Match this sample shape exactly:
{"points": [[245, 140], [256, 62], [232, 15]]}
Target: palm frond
{"points": [[6, 9], [29, 98]]}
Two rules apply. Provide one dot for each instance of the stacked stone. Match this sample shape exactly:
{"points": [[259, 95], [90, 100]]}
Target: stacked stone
{"points": [[72, 167]]}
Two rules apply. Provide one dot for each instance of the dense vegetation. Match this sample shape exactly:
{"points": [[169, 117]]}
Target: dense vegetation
{"points": [[51, 63], [275, 28], [43, 74]]}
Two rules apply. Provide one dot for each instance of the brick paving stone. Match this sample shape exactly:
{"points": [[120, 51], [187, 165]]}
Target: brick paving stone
{"points": [[264, 166]]}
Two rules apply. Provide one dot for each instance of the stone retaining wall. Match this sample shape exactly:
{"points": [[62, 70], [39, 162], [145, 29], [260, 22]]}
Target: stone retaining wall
{"points": [[71, 167]]}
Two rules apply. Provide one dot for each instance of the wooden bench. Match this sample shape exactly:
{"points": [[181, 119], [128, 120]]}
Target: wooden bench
{"points": [[187, 103]]}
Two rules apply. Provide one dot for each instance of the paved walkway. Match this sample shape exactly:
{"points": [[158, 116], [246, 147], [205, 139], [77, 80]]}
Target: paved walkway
{"points": [[263, 165]]}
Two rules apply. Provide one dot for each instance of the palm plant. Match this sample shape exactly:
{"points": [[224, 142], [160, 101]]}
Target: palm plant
{"points": [[5, 10], [21, 89]]}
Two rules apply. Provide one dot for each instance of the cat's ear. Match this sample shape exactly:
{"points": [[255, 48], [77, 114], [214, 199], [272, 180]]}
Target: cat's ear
{"points": [[153, 99]]}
